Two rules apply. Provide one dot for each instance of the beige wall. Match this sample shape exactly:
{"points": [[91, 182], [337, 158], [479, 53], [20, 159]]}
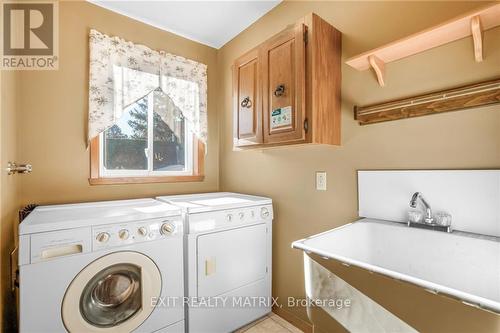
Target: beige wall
{"points": [[9, 189], [54, 108], [464, 139]]}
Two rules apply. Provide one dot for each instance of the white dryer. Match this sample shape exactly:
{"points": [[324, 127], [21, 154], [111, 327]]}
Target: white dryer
{"points": [[228, 259], [113, 266]]}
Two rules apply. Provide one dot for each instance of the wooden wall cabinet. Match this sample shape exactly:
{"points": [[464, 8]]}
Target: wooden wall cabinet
{"points": [[248, 104], [287, 89]]}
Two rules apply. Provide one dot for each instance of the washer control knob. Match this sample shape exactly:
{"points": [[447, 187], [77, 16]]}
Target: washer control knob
{"points": [[167, 228], [229, 217], [142, 231], [123, 234], [264, 212], [241, 215], [102, 237]]}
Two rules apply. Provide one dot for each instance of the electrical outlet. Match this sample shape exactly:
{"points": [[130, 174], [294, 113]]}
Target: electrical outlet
{"points": [[321, 180]]}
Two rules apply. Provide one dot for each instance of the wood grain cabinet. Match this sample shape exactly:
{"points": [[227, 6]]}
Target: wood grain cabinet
{"points": [[248, 104], [283, 86], [287, 89]]}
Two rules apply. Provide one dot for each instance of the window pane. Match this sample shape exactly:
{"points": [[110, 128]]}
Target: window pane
{"points": [[169, 142], [126, 142]]}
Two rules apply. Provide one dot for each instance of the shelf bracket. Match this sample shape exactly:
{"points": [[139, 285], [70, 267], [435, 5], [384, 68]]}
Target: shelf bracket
{"points": [[475, 26], [471, 23], [379, 68]]}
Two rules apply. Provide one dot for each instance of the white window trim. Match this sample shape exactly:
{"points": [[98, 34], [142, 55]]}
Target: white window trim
{"points": [[188, 154]]}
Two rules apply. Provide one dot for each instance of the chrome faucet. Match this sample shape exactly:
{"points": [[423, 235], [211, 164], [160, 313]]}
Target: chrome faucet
{"points": [[428, 211], [441, 222]]}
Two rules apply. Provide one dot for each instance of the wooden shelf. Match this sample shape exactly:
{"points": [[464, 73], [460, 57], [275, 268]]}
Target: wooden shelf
{"points": [[475, 95], [472, 23]]}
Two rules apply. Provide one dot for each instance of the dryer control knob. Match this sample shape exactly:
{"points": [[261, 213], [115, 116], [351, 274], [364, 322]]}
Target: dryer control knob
{"points": [[167, 228], [102, 237], [241, 215], [229, 217], [142, 231], [123, 234], [264, 212]]}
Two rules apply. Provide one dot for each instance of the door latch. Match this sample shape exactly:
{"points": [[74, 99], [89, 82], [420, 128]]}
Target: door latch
{"points": [[13, 168]]}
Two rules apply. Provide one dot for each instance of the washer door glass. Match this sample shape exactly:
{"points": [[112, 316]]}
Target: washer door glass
{"points": [[112, 296]]}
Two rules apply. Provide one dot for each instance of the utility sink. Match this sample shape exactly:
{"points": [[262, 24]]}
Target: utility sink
{"points": [[463, 265]]}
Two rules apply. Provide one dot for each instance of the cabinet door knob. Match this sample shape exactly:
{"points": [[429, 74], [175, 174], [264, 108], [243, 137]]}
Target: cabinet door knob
{"points": [[246, 102], [280, 90]]}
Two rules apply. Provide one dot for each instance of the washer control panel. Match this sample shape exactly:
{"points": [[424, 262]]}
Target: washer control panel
{"points": [[223, 219], [135, 232]]}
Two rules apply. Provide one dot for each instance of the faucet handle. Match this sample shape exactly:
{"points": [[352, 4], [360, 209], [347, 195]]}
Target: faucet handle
{"points": [[442, 218], [415, 216]]}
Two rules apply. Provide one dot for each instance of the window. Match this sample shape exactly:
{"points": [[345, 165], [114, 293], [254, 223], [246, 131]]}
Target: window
{"points": [[142, 147], [147, 113], [142, 144]]}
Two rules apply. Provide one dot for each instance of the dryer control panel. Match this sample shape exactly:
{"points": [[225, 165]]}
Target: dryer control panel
{"points": [[121, 234], [229, 218]]}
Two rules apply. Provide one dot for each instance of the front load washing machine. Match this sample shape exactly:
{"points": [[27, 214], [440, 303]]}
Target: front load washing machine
{"points": [[228, 259], [102, 267]]}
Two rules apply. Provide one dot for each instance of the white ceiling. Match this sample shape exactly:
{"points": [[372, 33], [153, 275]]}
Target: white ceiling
{"points": [[212, 23]]}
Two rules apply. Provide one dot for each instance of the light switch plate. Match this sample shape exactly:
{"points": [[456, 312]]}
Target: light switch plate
{"points": [[321, 180]]}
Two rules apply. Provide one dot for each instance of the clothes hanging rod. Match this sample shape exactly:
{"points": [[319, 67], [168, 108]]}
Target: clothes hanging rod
{"points": [[474, 95]]}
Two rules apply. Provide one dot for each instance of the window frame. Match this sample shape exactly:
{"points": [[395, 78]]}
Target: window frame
{"points": [[194, 172], [96, 177]]}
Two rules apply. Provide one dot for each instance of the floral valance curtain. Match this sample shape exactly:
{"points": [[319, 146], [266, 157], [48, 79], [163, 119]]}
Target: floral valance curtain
{"points": [[122, 73]]}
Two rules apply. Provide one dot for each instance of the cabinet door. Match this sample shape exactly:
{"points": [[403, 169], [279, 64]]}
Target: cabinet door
{"points": [[247, 100], [283, 76]]}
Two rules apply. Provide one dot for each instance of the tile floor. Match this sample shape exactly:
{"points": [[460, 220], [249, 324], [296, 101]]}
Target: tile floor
{"points": [[271, 323]]}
